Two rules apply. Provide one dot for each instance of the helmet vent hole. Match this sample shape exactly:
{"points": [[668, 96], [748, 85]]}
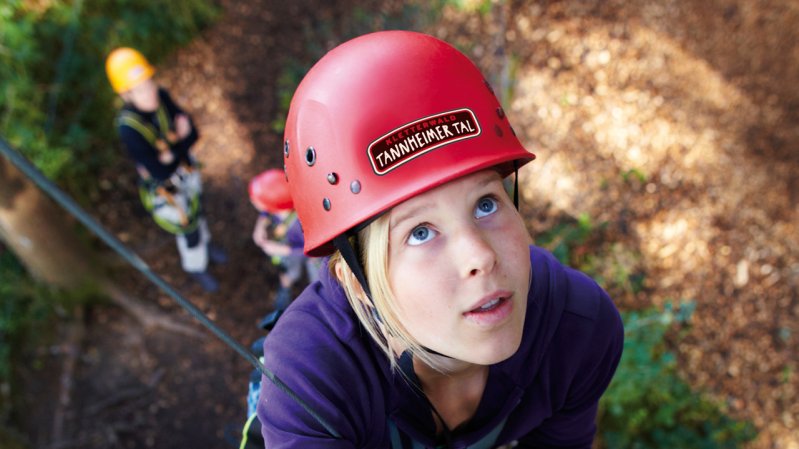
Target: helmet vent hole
{"points": [[498, 130], [500, 113], [355, 187], [310, 156], [326, 203], [332, 178], [286, 148]]}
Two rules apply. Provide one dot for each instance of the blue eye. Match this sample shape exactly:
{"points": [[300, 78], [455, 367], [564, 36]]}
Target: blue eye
{"points": [[486, 206], [420, 234]]}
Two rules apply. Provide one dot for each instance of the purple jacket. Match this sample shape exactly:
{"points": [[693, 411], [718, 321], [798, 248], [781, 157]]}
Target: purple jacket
{"points": [[545, 395], [294, 237]]}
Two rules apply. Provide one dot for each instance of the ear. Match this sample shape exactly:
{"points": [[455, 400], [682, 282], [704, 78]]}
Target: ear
{"points": [[339, 269], [345, 275]]}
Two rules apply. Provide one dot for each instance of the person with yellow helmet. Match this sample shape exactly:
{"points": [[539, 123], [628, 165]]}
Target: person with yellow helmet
{"points": [[158, 136]]}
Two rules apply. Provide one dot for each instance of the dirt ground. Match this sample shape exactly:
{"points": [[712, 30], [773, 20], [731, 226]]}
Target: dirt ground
{"points": [[675, 122]]}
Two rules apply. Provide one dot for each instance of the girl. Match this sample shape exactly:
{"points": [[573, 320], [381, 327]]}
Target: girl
{"points": [[438, 324]]}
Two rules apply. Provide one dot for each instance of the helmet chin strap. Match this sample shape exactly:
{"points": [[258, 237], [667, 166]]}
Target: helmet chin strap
{"points": [[350, 255], [353, 260]]}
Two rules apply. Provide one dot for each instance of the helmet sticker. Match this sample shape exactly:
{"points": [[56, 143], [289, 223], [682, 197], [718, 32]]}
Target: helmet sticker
{"points": [[414, 139]]}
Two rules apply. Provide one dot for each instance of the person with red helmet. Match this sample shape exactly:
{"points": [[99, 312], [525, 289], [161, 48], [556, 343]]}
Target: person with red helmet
{"points": [[279, 234], [438, 323]]}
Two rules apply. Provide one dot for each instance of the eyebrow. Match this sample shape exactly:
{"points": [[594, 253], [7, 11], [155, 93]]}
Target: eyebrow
{"points": [[487, 179], [408, 214]]}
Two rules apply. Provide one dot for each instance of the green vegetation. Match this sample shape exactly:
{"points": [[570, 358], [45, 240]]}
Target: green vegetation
{"points": [[648, 405], [565, 239], [482, 7], [587, 246], [55, 103], [29, 315], [26, 310], [57, 108]]}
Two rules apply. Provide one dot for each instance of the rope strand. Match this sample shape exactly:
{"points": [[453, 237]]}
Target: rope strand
{"points": [[133, 259]]}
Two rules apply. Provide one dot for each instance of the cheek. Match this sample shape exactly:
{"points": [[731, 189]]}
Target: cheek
{"points": [[146, 98], [411, 282], [152, 98], [514, 246], [513, 232], [523, 233]]}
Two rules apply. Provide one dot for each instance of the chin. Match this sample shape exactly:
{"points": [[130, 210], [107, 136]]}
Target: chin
{"points": [[496, 354]]}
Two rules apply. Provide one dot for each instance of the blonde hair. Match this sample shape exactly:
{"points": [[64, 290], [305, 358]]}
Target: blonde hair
{"points": [[380, 316]]}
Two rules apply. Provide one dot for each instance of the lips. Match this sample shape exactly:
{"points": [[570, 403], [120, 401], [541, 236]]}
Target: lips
{"points": [[489, 306], [490, 301], [491, 310]]}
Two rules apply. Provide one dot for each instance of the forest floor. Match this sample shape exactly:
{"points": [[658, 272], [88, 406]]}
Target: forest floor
{"points": [[674, 124]]}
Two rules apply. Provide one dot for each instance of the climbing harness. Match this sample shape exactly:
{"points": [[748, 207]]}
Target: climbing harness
{"points": [[158, 138], [175, 202]]}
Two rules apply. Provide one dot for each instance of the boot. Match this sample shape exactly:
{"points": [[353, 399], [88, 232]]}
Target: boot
{"points": [[206, 281], [216, 254], [282, 300], [269, 321], [257, 347]]}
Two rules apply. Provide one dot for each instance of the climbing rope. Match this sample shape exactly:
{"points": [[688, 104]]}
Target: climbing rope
{"points": [[97, 229]]}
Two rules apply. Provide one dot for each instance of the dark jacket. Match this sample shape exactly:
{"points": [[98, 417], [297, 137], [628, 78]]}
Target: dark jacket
{"points": [[545, 395], [142, 150]]}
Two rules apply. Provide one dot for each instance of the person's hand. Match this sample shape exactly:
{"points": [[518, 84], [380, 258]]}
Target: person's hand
{"points": [[182, 126], [274, 248], [269, 247], [166, 157]]}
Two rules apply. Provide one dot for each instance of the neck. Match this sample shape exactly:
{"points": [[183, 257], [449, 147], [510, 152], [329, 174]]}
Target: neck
{"points": [[456, 394]]}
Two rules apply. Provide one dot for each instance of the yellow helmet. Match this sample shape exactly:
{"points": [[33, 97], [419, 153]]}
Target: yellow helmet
{"points": [[127, 68]]}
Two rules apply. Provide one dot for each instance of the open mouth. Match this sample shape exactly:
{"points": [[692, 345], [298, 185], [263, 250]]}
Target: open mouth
{"points": [[489, 306], [492, 312]]}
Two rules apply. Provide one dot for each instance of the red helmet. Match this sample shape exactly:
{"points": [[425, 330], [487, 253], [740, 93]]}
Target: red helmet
{"points": [[382, 118], [270, 191]]}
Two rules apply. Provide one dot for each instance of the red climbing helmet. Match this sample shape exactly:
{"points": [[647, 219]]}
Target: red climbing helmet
{"points": [[270, 191], [384, 117]]}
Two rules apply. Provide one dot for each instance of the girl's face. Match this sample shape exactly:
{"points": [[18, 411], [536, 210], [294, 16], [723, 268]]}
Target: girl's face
{"points": [[144, 96], [459, 268]]}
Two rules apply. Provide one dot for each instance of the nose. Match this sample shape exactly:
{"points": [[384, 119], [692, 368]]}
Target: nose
{"points": [[475, 252]]}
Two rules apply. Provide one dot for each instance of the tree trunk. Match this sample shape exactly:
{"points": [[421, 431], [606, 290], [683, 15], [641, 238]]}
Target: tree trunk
{"points": [[39, 233], [44, 239]]}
